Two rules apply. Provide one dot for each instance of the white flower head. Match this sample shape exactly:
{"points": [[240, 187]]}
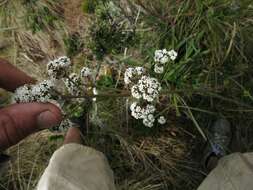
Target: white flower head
{"points": [[41, 92], [23, 95], [136, 111], [162, 120], [73, 84], [172, 54], [161, 56], [139, 70], [129, 73], [64, 61], [158, 55], [59, 68], [145, 113], [149, 109], [135, 92], [149, 120], [86, 72], [159, 68], [133, 73], [149, 87]]}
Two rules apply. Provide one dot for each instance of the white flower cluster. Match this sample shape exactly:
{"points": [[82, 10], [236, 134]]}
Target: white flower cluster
{"points": [[133, 74], [161, 120], [59, 68], [143, 86], [34, 93], [162, 57], [47, 91], [150, 87], [144, 113], [86, 72], [73, 84], [145, 89]]}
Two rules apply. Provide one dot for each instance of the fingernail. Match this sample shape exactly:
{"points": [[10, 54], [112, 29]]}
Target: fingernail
{"points": [[47, 120]]}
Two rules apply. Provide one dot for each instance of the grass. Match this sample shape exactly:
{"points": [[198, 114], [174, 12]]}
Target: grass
{"points": [[24, 172], [211, 78], [42, 15], [74, 44], [210, 39]]}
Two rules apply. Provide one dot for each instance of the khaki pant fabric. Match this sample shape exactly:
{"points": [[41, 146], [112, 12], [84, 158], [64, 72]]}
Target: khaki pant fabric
{"points": [[233, 172], [77, 167]]}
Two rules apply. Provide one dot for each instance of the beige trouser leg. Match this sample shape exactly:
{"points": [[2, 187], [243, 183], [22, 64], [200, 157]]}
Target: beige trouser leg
{"points": [[77, 167], [233, 172]]}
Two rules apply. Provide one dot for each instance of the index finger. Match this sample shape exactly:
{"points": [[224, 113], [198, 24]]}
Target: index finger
{"points": [[11, 77]]}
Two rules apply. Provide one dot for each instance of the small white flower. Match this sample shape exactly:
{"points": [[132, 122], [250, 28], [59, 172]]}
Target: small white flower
{"points": [[164, 51], [133, 73], [23, 94], [59, 68], [135, 92], [149, 120], [129, 73], [164, 59], [95, 92], [86, 72], [161, 56], [162, 120], [133, 105], [158, 55], [150, 109], [173, 54], [158, 69], [139, 70], [136, 111], [73, 84]]}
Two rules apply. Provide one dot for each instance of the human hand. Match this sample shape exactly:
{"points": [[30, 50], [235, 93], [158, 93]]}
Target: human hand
{"points": [[17, 121], [73, 135]]}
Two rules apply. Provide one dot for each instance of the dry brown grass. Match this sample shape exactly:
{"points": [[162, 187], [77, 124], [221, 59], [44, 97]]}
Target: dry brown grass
{"points": [[29, 159]]}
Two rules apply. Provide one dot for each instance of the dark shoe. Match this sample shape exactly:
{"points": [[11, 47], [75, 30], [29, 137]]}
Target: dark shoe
{"points": [[219, 138]]}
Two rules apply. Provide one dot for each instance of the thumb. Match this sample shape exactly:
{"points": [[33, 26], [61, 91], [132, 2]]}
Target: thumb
{"points": [[20, 120]]}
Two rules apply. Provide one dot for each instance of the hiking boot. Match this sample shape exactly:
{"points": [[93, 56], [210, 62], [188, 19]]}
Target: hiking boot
{"points": [[219, 138]]}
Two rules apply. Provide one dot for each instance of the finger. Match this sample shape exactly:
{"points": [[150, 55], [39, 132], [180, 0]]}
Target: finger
{"points": [[73, 136], [12, 78], [20, 120]]}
